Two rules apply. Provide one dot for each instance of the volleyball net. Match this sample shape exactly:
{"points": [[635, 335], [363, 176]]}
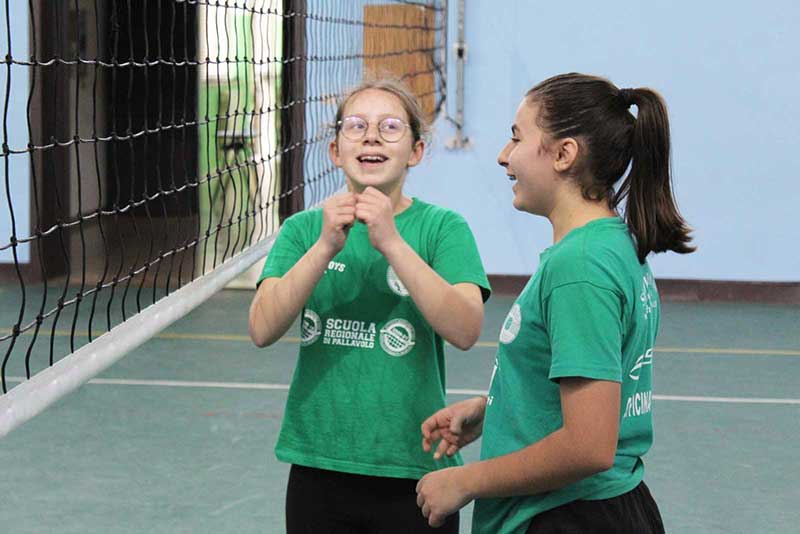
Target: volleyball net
{"points": [[150, 150]]}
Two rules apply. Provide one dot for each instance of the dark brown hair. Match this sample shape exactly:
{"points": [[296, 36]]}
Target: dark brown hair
{"points": [[596, 114]]}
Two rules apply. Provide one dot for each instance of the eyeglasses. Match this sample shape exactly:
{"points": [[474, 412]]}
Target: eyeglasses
{"points": [[390, 129]]}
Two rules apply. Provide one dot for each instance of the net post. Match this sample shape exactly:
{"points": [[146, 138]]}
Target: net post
{"points": [[293, 108]]}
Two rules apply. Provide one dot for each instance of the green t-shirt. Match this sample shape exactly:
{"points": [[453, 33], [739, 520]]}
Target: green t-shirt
{"points": [[371, 368], [591, 310]]}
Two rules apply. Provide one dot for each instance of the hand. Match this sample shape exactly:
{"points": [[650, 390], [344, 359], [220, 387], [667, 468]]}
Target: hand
{"points": [[456, 426], [338, 216], [441, 493], [375, 210]]}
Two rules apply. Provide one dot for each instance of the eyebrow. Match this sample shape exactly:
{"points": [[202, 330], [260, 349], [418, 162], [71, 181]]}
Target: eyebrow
{"points": [[514, 129]]}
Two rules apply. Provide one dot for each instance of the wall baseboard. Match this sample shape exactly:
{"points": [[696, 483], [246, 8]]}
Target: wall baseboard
{"points": [[677, 290]]}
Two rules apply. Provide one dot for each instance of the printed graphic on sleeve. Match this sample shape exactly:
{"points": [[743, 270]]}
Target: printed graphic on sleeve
{"points": [[310, 328], [511, 325], [647, 296], [641, 402], [395, 284], [642, 361], [397, 337]]}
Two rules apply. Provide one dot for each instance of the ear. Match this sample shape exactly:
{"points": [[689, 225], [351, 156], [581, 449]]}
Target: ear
{"points": [[416, 154], [333, 151], [566, 154]]}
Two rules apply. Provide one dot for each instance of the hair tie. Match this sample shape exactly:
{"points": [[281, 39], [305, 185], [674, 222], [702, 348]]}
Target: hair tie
{"points": [[626, 96]]}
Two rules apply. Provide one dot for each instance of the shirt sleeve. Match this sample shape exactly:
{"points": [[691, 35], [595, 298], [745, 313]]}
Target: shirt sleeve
{"points": [[456, 257], [584, 324], [288, 248]]}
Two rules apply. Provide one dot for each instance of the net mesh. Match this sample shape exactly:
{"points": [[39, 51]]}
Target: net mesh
{"points": [[148, 142]]}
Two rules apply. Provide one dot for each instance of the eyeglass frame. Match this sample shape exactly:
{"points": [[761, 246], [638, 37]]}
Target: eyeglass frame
{"points": [[368, 123]]}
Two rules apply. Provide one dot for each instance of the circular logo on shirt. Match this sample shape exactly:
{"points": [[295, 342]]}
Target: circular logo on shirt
{"points": [[395, 284], [511, 325], [310, 328], [397, 337]]}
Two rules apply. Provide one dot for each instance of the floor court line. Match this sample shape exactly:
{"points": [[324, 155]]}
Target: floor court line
{"points": [[451, 391]]}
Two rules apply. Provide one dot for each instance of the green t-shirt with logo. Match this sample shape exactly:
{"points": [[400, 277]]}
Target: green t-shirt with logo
{"points": [[371, 368], [591, 310]]}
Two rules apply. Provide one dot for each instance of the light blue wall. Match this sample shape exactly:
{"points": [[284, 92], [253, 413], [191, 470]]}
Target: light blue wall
{"points": [[731, 78], [17, 171]]}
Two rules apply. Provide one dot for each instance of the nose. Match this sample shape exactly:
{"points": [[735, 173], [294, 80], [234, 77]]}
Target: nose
{"points": [[372, 134], [502, 157]]}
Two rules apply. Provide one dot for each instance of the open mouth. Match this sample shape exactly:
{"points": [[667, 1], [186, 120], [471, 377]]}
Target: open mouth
{"points": [[372, 159], [511, 177]]}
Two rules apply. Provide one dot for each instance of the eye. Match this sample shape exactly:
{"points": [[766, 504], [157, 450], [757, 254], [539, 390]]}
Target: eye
{"points": [[391, 125], [354, 123], [515, 140]]}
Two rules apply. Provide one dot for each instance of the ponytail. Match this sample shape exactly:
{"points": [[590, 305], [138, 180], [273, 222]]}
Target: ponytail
{"points": [[651, 212]]}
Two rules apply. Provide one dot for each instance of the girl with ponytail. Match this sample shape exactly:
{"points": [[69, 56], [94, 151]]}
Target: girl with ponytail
{"points": [[568, 416]]}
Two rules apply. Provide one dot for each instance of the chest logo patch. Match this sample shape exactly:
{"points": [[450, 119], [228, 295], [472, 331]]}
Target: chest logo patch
{"points": [[395, 284], [310, 328], [511, 325], [397, 337]]}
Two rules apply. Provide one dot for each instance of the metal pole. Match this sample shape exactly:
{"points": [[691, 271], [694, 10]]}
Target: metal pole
{"points": [[460, 47]]}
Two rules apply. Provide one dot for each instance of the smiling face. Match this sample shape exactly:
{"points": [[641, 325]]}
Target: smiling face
{"points": [[530, 163], [371, 161]]}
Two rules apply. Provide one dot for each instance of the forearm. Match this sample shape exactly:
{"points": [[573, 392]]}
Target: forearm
{"points": [[278, 303], [553, 462], [450, 312]]}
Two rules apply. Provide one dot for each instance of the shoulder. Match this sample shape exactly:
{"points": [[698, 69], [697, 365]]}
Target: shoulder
{"points": [[432, 214], [303, 220], [598, 254]]}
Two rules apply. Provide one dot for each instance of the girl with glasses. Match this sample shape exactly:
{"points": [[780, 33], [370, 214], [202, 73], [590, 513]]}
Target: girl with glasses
{"points": [[380, 281], [568, 416]]}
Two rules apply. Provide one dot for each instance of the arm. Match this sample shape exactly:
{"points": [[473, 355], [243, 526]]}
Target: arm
{"points": [[278, 301], [583, 446], [455, 311]]}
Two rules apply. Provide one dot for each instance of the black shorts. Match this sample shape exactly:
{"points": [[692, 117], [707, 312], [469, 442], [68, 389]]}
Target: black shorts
{"points": [[330, 502], [634, 512]]}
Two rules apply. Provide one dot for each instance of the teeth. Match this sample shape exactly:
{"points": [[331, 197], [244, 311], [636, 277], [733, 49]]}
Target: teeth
{"points": [[372, 159]]}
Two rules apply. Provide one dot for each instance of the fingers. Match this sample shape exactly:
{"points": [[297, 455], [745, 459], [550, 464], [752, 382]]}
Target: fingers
{"points": [[430, 425], [457, 423], [442, 449], [428, 441], [371, 203], [340, 211], [426, 511], [434, 519], [430, 431], [346, 199], [345, 219]]}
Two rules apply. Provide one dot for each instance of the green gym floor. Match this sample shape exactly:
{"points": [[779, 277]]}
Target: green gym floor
{"points": [[178, 436]]}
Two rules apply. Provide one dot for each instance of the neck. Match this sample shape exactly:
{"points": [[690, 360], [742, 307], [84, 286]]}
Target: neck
{"points": [[576, 212]]}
